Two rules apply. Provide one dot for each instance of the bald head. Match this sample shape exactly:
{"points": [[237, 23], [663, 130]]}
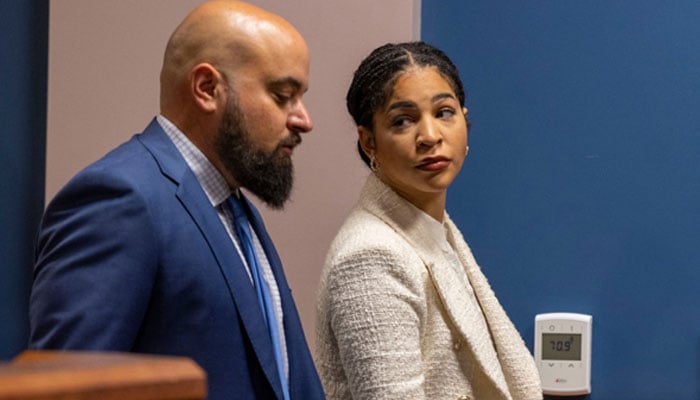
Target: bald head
{"points": [[232, 81], [227, 35]]}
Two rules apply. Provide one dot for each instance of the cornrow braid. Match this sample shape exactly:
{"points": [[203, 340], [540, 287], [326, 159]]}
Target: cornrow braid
{"points": [[374, 79]]}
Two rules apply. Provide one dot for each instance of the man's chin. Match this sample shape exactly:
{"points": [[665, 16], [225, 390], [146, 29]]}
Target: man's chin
{"points": [[273, 197], [275, 204]]}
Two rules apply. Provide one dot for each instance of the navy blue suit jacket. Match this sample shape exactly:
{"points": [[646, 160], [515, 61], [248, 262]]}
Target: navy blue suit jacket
{"points": [[131, 256]]}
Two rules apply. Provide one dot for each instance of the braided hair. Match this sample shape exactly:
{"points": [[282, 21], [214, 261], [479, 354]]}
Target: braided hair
{"points": [[374, 79]]}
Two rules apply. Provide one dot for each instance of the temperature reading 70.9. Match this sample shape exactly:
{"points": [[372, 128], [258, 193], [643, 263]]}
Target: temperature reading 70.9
{"points": [[558, 346], [561, 345]]}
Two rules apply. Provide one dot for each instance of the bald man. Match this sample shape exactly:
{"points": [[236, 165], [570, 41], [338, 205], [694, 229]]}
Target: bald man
{"points": [[139, 251]]}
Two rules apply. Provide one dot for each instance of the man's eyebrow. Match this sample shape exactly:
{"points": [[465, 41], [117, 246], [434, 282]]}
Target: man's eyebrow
{"points": [[287, 81]]}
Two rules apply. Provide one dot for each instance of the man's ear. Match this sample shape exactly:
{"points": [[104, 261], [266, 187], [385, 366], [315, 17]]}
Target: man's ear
{"points": [[206, 87], [366, 139]]}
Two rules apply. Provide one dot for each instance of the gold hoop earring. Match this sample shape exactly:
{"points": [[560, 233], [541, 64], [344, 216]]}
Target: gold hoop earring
{"points": [[373, 164]]}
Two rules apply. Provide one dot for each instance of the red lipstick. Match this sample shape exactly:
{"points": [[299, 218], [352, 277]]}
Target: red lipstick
{"points": [[433, 163]]}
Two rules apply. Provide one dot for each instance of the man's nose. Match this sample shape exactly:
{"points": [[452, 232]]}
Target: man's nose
{"points": [[300, 119]]}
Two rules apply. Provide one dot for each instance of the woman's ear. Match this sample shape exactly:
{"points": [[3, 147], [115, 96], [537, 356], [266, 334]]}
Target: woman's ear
{"points": [[206, 87], [366, 139], [465, 111]]}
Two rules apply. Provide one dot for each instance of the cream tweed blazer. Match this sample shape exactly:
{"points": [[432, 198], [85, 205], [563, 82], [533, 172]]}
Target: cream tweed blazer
{"points": [[396, 321]]}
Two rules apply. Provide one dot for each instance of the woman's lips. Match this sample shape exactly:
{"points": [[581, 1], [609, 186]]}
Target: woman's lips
{"points": [[433, 164]]}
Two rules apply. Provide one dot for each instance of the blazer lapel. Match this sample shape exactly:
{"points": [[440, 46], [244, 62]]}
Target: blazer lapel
{"points": [[463, 312], [517, 363], [194, 200], [455, 295]]}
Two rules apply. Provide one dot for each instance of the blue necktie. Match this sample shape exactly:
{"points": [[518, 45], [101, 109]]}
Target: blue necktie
{"points": [[240, 222]]}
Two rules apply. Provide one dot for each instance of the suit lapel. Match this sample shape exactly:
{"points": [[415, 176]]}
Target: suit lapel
{"points": [[194, 200], [267, 244], [297, 349]]}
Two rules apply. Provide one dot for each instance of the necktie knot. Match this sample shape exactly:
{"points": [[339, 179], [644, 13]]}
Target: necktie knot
{"points": [[239, 214]]}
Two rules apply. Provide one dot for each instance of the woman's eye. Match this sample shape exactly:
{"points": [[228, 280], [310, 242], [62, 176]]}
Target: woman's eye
{"points": [[400, 122], [445, 113]]}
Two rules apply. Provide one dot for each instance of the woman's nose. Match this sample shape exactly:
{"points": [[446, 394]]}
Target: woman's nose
{"points": [[428, 133]]}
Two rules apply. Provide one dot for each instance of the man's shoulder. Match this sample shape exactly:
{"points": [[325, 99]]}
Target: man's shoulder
{"points": [[133, 160], [132, 167], [128, 161]]}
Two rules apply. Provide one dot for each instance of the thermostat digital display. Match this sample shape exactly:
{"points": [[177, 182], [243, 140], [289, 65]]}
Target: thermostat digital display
{"points": [[561, 346], [563, 353]]}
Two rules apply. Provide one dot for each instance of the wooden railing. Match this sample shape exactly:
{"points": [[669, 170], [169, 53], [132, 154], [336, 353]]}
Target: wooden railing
{"points": [[54, 375]]}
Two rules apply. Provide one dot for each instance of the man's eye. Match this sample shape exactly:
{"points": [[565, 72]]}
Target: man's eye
{"points": [[282, 98]]}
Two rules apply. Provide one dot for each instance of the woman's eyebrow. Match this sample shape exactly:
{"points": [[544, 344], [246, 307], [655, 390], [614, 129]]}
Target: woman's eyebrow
{"points": [[410, 104], [401, 104], [441, 96]]}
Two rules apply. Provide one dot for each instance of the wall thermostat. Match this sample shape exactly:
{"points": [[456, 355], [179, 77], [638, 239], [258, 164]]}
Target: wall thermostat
{"points": [[563, 353]]}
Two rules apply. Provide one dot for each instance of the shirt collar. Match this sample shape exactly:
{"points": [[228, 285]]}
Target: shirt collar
{"points": [[435, 228], [211, 180]]}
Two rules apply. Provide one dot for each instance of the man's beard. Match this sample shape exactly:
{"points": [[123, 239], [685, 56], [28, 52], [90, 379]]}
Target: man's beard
{"points": [[267, 175]]}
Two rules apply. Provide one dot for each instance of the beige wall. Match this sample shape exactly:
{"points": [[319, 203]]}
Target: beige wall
{"points": [[104, 62]]}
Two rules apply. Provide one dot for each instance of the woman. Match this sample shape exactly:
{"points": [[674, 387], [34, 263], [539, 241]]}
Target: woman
{"points": [[404, 311]]}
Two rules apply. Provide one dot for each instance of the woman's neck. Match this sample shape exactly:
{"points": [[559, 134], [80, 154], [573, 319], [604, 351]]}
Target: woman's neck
{"points": [[432, 204]]}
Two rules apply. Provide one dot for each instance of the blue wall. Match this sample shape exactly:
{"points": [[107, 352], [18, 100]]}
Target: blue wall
{"points": [[581, 192], [23, 70]]}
